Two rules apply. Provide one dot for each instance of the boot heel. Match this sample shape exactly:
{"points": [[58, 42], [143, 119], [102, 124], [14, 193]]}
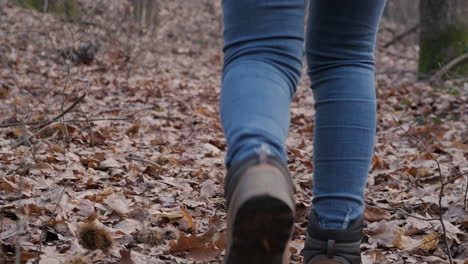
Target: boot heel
{"points": [[260, 217]]}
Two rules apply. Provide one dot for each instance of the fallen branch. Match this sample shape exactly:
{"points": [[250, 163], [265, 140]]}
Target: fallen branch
{"points": [[441, 178], [65, 121], [136, 158], [401, 211], [64, 112], [466, 194], [55, 119], [444, 70], [401, 36]]}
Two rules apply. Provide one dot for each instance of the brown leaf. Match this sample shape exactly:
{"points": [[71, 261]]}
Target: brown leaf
{"points": [[90, 163], [372, 214], [61, 129], [7, 186], [26, 255], [202, 247], [186, 223], [430, 242], [108, 163], [4, 91], [133, 130], [125, 256], [465, 222], [153, 171], [460, 145], [296, 153], [377, 163], [186, 242], [57, 148], [204, 112], [404, 242], [418, 172]]}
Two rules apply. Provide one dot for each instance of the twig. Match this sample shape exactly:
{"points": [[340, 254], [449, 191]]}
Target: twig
{"points": [[401, 36], [91, 132], [2, 254], [441, 178], [64, 112], [26, 138], [136, 158], [39, 247], [401, 211], [466, 193], [65, 121], [19, 226], [18, 242], [41, 127], [440, 73]]}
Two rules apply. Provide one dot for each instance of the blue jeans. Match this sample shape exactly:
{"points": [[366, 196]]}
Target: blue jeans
{"points": [[262, 64]]}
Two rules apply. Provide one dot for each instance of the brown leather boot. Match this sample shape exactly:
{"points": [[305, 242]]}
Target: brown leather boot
{"points": [[333, 246], [259, 194]]}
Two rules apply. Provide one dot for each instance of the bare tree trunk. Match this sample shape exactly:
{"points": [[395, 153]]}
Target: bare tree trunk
{"points": [[146, 13], [444, 34]]}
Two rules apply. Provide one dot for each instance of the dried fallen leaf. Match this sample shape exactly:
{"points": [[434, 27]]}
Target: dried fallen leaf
{"points": [[208, 189], [202, 247], [108, 163], [133, 130], [377, 163], [153, 171], [430, 242], [186, 223], [118, 203], [125, 257], [465, 222], [404, 242], [372, 214], [382, 232]]}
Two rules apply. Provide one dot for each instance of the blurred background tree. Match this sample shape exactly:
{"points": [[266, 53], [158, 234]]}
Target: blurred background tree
{"points": [[444, 35], [146, 13]]}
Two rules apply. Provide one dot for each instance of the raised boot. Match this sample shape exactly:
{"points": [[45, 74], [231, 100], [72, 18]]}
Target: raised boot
{"points": [[333, 246], [259, 195]]}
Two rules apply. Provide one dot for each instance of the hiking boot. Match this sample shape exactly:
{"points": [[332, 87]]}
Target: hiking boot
{"points": [[259, 195], [333, 246]]}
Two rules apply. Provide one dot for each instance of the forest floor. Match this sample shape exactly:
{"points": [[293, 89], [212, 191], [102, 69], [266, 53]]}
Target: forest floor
{"points": [[131, 162]]}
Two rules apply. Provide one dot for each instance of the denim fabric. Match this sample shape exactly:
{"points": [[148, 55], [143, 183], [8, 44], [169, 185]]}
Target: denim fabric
{"points": [[262, 64]]}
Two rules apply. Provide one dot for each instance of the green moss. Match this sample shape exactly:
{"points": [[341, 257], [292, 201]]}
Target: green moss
{"points": [[67, 7], [438, 49]]}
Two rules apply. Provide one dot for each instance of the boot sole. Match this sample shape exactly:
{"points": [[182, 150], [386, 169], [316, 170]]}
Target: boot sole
{"points": [[260, 220], [261, 232]]}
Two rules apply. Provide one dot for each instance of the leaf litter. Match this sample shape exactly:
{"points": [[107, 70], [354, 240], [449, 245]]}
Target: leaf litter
{"points": [[146, 178]]}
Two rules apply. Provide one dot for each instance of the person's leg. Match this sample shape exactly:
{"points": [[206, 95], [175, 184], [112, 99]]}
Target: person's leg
{"points": [[340, 54], [262, 65], [339, 48]]}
